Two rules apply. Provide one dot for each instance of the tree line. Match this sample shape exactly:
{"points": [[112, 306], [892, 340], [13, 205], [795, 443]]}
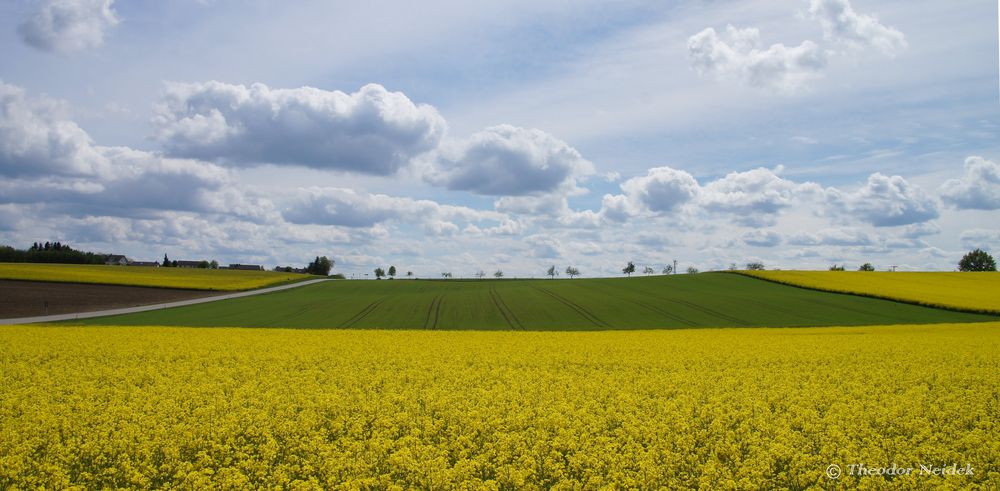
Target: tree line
{"points": [[50, 252]]}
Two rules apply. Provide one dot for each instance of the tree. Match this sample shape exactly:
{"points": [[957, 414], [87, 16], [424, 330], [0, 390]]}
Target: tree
{"points": [[379, 273], [648, 270], [392, 272], [166, 261], [977, 260], [409, 274], [320, 266], [446, 275], [837, 268], [552, 272], [480, 274], [866, 267], [668, 269], [629, 269], [692, 270], [214, 264], [571, 272], [755, 266], [498, 274], [203, 264]]}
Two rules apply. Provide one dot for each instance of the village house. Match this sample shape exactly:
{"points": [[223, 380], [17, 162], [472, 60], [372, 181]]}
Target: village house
{"points": [[247, 267], [116, 260]]}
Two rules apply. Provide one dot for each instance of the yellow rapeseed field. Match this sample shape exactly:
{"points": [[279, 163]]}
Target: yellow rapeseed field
{"points": [[978, 292], [190, 408], [192, 278]]}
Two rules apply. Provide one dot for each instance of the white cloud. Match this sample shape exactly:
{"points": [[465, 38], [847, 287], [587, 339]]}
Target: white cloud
{"points": [[923, 229], [371, 131], [349, 208], [843, 25], [661, 190], [738, 55], [848, 237], [507, 160], [981, 237], [884, 202], [754, 197], [978, 189], [762, 238], [68, 26], [36, 138]]}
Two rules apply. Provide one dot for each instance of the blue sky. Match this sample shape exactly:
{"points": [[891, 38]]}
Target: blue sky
{"points": [[466, 136]]}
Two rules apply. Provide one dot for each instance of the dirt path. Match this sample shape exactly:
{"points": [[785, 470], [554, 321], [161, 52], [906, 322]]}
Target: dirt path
{"points": [[102, 291]]}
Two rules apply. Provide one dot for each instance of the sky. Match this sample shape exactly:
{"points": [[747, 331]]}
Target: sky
{"points": [[459, 137]]}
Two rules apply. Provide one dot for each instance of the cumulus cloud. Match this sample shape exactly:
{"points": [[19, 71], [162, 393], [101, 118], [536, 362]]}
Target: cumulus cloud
{"points": [[371, 131], [349, 208], [885, 201], [507, 160], [850, 237], [661, 190], [762, 238], [738, 54], [68, 26], [978, 189], [754, 197], [980, 237], [36, 138], [843, 25], [48, 159]]}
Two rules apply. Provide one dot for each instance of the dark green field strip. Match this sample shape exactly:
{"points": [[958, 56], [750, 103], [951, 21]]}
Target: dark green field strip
{"points": [[682, 301]]}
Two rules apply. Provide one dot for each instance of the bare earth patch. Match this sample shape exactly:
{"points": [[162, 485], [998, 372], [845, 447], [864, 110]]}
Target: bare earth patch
{"points": [[29, 298]]}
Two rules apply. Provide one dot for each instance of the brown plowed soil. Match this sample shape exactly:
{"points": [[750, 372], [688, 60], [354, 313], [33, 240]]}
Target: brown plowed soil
{"points": [[29, 298]]}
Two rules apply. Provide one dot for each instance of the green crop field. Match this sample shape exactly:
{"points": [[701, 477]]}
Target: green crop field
{"points": [[682, 301]]}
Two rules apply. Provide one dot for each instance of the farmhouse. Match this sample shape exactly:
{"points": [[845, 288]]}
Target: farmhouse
{"points": [[189, 264], [147, 264], [247, 267], [116, 260]]}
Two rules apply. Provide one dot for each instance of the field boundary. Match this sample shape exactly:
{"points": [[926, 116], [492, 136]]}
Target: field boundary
{"points": [[891, 298], [159, 306]]}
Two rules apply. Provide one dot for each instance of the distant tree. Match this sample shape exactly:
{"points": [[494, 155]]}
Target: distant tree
{"points": [[866, 267], [552, 272], [692, 270], [204, 264], [409, 274], [837, 268], [977, 260], [173, 264], [166, 261], [214, 264], [733, 267], [392, 272], [755, 266], [648, 270], [498, 274], [629, 269], [668, 269], [320, 266], [480, 274], [446, 275], [571, 272], [379, 273]]}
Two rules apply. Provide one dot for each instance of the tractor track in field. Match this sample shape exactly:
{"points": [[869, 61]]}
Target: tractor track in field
{"points": [[706, 310], [508, 315], [663, 312], [586, 314], [362, 314], [433, 313]]}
